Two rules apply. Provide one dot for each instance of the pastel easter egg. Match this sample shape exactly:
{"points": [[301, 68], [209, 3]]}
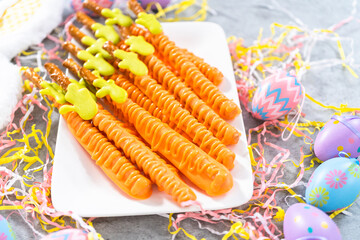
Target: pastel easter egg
{"points": [[163, 3], [303, 221], [69, 234], [340, 134], [276, 96], [6, 231], [335, 184]]}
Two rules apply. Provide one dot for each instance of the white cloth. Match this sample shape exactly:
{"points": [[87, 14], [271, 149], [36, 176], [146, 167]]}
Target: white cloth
{"points": [[26, 22], [22, 23], [10, 90]]}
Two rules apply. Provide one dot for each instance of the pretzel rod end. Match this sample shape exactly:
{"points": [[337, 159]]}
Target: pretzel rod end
{"points": [[84, 19], [32, 76], [135, 6], [71, 48], [93, 6], [57, 75]]}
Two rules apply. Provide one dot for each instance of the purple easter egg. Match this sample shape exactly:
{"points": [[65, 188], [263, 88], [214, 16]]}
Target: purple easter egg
{"points": [[163, 3], [276, 96], [340, 134], [69, 234], [303, 221]]}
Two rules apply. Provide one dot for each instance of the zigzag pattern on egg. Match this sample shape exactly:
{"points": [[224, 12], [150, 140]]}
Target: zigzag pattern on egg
{"points": [[276, 96]]}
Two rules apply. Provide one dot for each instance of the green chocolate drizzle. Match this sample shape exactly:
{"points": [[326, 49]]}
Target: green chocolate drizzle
{"points": [[95, 46], [115, 16], [83, 84], [83, 102], [105, 31], [96, 62], [53, 90], [150, 22], [109, 87], [139, 45], [131, 62]]}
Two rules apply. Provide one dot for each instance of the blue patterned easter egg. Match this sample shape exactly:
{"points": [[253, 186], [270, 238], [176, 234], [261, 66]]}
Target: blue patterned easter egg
{"points": [[335, 184], [5, 230]]}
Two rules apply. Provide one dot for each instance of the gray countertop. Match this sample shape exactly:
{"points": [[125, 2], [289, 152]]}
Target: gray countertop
{"points": [[332, 86]]}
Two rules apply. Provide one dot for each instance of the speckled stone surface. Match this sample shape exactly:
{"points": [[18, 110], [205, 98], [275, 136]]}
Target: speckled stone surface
{"points": [[331, 86]]}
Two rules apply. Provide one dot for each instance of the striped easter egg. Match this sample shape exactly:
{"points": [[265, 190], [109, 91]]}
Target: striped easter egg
{"points": [[276, 96]]}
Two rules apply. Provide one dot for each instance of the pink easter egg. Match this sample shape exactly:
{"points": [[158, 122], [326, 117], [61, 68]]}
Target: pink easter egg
{"points": [[69, 234], [276, 96], [340, 134]]}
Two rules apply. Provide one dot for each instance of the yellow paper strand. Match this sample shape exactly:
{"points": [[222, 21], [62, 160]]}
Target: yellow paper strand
{"points": [[343, 107], [179, 229], [237, 228], [179, 8], [16, 207], [334, 214]]}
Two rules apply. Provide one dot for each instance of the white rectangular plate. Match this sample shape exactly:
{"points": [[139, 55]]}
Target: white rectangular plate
{"points": [[79, 185]]}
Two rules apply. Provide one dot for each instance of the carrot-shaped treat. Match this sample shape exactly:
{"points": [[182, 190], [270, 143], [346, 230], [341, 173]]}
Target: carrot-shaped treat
{"points": [[205, 89], [219, 127], [111, 161], [133, 92], [184, 120], [118, 168], [75, 69], [145, 159], [212, 73], [196, 165], [140, 98], [191, 74]]}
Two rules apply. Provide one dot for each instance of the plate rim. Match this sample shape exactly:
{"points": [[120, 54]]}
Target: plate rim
{"points": [[159, 211]]}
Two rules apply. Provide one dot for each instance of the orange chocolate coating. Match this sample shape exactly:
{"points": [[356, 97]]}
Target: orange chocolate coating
{"points": [[220, 128], [118, 168], [192, 76]]}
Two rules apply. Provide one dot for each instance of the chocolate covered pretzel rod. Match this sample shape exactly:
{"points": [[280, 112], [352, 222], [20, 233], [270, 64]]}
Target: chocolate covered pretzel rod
{"points": [[212, 73], [184, 120], [196, 165], [200, 135], [192, 76], [115, 166], [139, 154], [198, 108]]}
